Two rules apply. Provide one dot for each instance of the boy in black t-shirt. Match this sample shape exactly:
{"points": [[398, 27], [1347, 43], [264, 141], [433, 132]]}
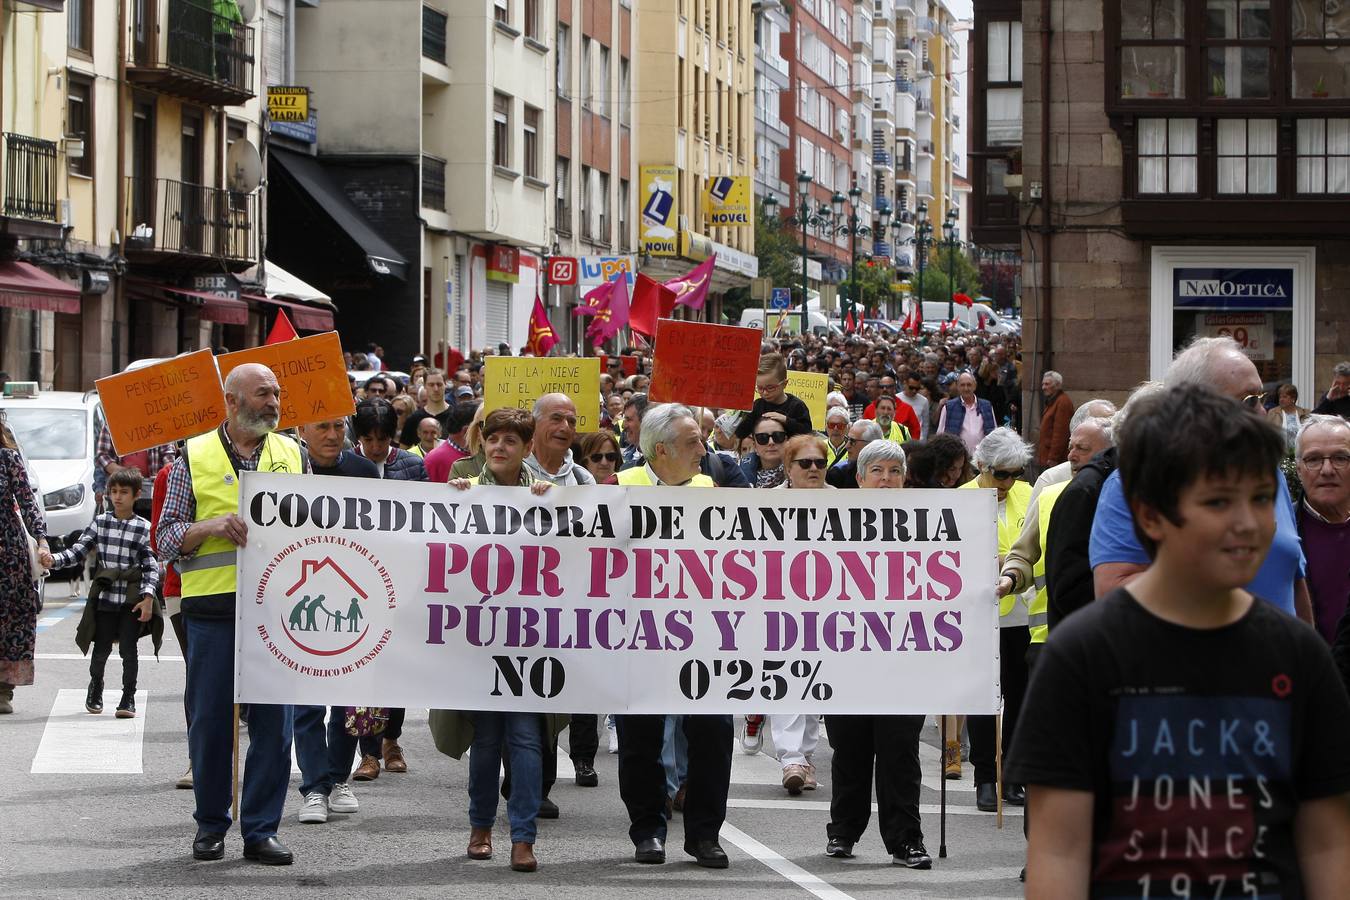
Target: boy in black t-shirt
{"points": [[771, 385], [1181, 737]]}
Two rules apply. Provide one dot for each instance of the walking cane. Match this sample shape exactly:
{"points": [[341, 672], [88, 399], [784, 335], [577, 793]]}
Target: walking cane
{"points": [[942, 789], [235, 793]]}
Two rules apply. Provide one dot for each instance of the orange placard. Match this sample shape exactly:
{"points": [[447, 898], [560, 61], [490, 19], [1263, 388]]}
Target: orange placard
{"points": [[313, 379], [705, 365], [178, 398]]}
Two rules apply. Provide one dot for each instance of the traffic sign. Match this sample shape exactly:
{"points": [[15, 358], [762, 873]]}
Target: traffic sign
{"points": [[782, 298]]}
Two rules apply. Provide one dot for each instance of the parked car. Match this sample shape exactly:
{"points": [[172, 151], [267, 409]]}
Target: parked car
{"points": [[57, 431]]}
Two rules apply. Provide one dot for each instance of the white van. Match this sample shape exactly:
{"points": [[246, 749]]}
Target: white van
{"points": [[753, 317], [971, 316]]}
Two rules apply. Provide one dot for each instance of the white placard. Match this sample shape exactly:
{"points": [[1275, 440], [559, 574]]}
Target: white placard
{"points": [[643, 600]]}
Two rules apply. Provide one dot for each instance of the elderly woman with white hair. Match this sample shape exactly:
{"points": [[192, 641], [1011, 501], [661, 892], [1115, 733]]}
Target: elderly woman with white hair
{"points": [[837, 420], [1001, 459], [886, 745]]}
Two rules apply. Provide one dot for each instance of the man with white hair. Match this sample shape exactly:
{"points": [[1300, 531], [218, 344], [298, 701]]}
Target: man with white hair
{"points": [[673, 450], [200, 531], [555, 428], [1052, 444], [1094, 408], [844, 474], [1116, 554], [837, 421], [1323, 454], [1337, 400], [965, 415]]}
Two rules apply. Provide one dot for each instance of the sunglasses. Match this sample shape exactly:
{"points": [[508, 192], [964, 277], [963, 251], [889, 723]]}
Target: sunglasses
{"points": [[807, 464], [1254, 400], [775, 436], [605, 457], [1005, 474]]}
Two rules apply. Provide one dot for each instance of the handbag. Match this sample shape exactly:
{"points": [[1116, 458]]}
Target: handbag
{"points": [[365, 721]]}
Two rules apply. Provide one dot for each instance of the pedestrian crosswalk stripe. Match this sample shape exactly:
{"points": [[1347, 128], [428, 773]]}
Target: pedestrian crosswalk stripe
{"points": [[77, 743], [789, 870]]}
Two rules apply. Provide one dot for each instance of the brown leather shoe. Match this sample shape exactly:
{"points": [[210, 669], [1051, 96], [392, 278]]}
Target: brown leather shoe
{"points": [[369, 769], [480, 843], [522, 857], [393, 757]]}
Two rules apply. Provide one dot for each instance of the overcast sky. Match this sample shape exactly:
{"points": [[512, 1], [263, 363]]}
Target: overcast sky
{"points": [[961, 8]]}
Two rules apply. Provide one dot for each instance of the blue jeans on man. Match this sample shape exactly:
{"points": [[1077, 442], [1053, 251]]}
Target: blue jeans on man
{"points": [[267, 769], [675, 754], [325, 755], [522, 733]]}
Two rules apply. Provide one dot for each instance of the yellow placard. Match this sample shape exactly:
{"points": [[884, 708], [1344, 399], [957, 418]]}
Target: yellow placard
{"points": [[726, 200], [811, 388], [288, 104], [516, 382], [658, 192]]}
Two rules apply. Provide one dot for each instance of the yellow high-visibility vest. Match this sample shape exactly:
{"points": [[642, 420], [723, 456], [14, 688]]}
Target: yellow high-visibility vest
{"points": [[1038, 612]]}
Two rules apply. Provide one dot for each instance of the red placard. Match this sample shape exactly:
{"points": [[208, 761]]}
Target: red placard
{"points": [[629, 363], [705, 365], [562, 270]]}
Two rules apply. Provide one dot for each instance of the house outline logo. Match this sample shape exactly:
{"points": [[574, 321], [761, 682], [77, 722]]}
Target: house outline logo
{"points": [[302, 616]]}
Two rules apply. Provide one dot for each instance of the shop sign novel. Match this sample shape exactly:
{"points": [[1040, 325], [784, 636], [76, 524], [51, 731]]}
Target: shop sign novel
{"points": [[726, 200], [658, 194]]}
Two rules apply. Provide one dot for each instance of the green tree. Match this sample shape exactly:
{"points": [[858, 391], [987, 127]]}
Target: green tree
{"points": [[778, 250], [937, 285], [874, 286]]}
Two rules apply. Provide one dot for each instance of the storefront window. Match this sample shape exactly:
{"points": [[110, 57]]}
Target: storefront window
{"points": [[1255, 307]]}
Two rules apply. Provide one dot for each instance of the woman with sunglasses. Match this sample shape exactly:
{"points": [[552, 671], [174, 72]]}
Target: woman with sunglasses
{"points": [[763, 468], [1001, 459], [599, 454]]}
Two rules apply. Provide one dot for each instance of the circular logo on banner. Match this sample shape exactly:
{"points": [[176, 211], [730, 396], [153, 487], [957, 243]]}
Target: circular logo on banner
{"points": [[332, 604]]}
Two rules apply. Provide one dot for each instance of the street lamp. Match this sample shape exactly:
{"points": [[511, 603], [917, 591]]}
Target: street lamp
{"points": [[922, 240], [854, 228], [950, 242], [820, 219]]}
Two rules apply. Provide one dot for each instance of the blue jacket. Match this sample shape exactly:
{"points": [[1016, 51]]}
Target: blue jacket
{"points": [[401, 465], [956, 415]]}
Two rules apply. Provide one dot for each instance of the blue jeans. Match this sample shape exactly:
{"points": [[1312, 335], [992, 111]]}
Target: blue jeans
{"points": [[675, 754], [325, 758], [523, 735], [267, 770]]}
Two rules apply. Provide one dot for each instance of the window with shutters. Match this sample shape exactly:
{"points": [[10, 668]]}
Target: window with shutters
{"points": [[602, 94], [501, 11], [562, 189], [79, 117], [625, 198], [563, 52], [530, 142], [501, 131], [625, 93], [602, 189], [274, 42], [586, 62], [80, 26]]}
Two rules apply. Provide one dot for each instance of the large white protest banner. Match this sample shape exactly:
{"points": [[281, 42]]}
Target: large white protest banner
{"points": [[613, 599]]}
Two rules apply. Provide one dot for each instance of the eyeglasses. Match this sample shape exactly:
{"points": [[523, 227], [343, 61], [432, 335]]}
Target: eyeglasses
{"points": [[854, 440], [1339, 462], [1005, 474], [605, 457], [807, 464], [1254, 400], [759, 389], [776, 436]]}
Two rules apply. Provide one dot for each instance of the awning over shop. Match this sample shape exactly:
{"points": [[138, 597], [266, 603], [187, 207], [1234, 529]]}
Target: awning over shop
{"points": [[310, 176], [306, 318], [280, 283], [214, 308], [25, 286]]}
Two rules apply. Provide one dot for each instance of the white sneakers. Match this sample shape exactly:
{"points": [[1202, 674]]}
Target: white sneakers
{"points": [[314, 811], [342, 800]]}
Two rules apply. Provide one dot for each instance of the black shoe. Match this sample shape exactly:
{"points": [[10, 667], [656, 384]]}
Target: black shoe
{"points": [[652, 850], [912, 855], [586, 776], [269, 852], [708, 854], [208, 846], [93, 701], [839, 848], [126, 708], [986, 797], [1015, 794], [1023, 877], [547, 809]]}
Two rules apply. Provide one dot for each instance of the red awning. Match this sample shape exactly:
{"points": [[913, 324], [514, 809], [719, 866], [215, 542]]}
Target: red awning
{"points": [[25, 286], [216, 308], [303, 316]]}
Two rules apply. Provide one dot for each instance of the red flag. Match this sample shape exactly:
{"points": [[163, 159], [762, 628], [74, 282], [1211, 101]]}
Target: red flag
{"points": [[651, 301], [962, 300], [692, 289], [908, 323], [848, 322], [282, 330], [608, 303], [542, 336]]}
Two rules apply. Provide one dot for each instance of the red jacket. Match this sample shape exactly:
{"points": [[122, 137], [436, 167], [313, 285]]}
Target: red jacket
{"points": [[173, 585], [1052, 447], [904, 414]]}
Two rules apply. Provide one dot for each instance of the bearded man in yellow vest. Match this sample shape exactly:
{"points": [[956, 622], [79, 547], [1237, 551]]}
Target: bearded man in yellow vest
{"points": [[672, 449], [201, 532]]}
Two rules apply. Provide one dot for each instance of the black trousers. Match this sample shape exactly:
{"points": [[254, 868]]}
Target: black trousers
{"points": [[180, 631], [1033, 653], [373, 744], [890, 745], [642, 777], [120, 626], [1012, 672], [583, 741]]}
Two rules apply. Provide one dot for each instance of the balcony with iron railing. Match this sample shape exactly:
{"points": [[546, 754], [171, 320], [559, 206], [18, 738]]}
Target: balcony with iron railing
{"points": [[881, 159], [30, 208], [182, 47], [433, 183], [903, 85], [923, 104], [906, 45], [925, 148], [925, 26], [190, 226]]}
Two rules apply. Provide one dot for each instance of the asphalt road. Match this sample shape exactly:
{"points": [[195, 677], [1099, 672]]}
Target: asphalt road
{"points": [[88, 808]]}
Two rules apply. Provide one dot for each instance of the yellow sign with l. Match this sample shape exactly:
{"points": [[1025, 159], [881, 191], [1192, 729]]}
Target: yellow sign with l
{"points": [[726, 200], [659, 196]]}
